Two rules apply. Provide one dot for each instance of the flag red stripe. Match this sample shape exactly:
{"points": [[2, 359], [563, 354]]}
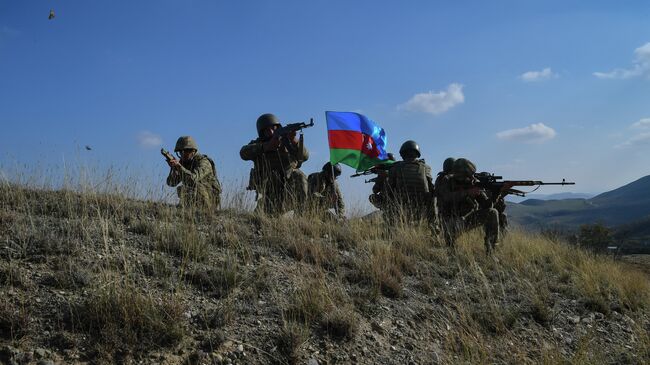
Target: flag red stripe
{"points": [[350, 140]]}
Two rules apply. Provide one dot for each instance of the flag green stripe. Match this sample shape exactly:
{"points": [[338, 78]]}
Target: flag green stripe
{"points": [[353, 158], [345, 156]]}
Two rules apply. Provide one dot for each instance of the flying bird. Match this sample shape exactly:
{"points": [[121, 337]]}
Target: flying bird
{"points": [[88, 148], [51, 14]]}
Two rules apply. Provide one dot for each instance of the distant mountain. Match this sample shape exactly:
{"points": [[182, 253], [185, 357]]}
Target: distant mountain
{"points": [[626, 204], [558, 196]]}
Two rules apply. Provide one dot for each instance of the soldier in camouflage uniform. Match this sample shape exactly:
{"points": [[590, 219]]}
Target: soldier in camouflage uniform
{"points": [[447, 167], [409, 187], [378, 196], [276, 177], [196, 175], [463, 205], [324, 191]]}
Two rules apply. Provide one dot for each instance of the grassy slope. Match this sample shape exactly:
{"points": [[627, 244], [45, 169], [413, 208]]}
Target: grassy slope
{"points": [[102, 278]]}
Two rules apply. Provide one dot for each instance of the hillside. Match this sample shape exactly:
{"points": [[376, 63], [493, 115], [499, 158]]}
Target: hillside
{"points": [[557, 196], [95, 278], [619, 206]]}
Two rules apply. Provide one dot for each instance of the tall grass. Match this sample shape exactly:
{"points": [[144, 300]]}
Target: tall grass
{"points": [[140, 261]]}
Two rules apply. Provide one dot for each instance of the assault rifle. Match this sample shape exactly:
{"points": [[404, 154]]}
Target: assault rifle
{"points": [[294, 127], [499, 189], [168, 156], [289, 128], [377, 169]]}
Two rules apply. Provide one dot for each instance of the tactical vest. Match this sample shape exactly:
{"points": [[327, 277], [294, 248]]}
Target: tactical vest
{"points": [[409, 178]]}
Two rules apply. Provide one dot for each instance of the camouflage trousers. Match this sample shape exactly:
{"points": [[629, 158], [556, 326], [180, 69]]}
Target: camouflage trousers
{"points": [[277, 196], [198, 197], [453, 226]]}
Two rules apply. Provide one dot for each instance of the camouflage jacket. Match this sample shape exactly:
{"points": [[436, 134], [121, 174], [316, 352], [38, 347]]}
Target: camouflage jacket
{"points": [[276, 164], [454, 198], [198, 176], [326, 192]]}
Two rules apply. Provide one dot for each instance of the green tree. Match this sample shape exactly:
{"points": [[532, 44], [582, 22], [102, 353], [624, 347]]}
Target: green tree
{"points": [[595, 237]]}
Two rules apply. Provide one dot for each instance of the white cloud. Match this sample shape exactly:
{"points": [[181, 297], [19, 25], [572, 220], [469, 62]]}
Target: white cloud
{"points": [[638, 140], [534, 133], [640, 66], [435, 103], [532, 76], [643, 123], [147, 139]]}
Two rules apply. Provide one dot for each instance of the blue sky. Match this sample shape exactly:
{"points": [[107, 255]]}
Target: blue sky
{"points": [[526, 89]]}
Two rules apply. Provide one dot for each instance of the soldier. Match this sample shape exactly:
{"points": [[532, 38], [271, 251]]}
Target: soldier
{"points": [[465, 206], [197, 175], [324, 190], [410, 187], [276, 177], [378, 196], [447, 166]]}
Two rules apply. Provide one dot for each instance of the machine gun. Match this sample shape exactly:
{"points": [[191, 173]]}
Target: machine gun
{"points": [[499, 189]]}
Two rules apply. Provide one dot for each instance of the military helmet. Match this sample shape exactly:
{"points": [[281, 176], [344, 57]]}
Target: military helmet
{"points": [[448, 165], [464, 167], [409, 146], [185, 143], [265, 121], [336, 169]]}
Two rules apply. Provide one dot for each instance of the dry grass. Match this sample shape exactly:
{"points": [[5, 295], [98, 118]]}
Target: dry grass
{"points": [[120, 316], [139, 262]]}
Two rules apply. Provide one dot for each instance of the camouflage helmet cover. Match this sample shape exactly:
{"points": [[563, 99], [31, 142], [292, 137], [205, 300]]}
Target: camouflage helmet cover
{"points": [[185, 143], [409, 146], [448, 165], [464, 167], [328, 168], [265, 121]]}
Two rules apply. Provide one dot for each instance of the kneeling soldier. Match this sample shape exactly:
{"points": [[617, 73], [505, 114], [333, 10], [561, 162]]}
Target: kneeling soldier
{"points": [[324, 191], [464, 206], [276, 176], [409, 187], [197, 175]]}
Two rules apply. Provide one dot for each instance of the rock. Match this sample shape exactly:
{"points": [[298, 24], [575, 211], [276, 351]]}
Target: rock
{"points": [[312, 361], [218, 358], [45, 362], [240, 348], [574, 319], [40, 353]]}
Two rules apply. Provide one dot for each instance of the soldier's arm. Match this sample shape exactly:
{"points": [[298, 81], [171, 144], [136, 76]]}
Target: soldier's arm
{"points": [[302, 153], [446, 195], [379, 182], [204, 170], [429, 179], [251, 151], [174, 178]]}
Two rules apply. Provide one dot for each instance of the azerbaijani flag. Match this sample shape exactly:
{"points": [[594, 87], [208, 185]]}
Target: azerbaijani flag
{"points": [[355, 140]]}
